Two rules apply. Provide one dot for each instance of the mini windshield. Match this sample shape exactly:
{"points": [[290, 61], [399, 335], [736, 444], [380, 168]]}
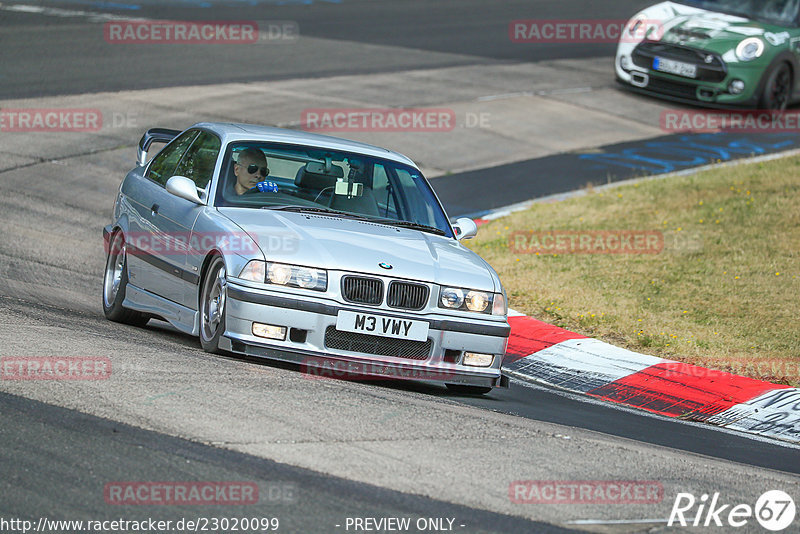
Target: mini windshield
{"points": [[269, 176], [780, 12]]}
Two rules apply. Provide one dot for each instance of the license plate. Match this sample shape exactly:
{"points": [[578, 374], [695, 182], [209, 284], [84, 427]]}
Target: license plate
{"points": [[675, 67], [379, 325]]}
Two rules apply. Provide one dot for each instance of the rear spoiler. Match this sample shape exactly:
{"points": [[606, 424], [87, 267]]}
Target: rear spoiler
{"points": [[158, 135]]}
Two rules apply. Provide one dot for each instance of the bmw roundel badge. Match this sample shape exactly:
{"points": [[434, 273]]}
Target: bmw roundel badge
{"points": [[384, 265]]}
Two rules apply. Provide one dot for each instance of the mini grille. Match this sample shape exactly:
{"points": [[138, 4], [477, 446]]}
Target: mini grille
{"points": [[671, 88], [710, 67], [377, 345], [407, 295], [362, 290]]}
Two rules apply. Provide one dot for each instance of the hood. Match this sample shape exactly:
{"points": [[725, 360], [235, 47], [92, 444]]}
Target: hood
{"points": [[710, 30], [351, 245]]}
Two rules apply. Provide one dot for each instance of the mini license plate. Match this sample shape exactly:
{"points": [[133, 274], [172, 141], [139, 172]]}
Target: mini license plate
{"points": [[379, 325], [675, 67]]}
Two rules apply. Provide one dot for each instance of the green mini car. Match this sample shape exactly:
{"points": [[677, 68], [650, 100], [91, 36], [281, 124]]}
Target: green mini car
{"points": [[714, 53]]}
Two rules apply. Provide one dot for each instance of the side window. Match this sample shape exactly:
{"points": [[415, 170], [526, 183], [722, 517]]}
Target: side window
{"points": [[163, 166], [199, 161]]}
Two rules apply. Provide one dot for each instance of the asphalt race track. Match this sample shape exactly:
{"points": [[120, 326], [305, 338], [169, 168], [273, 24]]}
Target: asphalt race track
{"points": [[458, 31], [320, 450]]}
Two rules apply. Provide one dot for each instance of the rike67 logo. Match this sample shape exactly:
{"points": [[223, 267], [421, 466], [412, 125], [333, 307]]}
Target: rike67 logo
{"points": [[774, 510]]}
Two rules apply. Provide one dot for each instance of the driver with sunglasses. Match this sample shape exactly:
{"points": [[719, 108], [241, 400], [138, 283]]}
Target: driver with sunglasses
{"points": [[249, 168]]}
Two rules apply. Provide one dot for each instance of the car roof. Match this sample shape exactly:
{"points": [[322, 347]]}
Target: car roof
{"points": [[251, 132]]}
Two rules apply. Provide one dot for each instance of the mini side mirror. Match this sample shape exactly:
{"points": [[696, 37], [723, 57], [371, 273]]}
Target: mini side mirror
{"points": [[465, 228], [184, 188]]}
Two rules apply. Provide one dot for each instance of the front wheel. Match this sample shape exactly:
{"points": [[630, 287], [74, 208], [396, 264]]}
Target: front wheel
{"points": [[778, 89], [212, 305], [463, 389], [115, 282]]}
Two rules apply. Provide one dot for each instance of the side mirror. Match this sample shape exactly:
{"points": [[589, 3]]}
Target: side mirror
{"points": [[465, 228], [184, 188]]}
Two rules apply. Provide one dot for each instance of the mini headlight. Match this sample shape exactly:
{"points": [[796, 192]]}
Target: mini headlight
{"points": [[477, 301], [297, 276], [254, 271], [452, 297], [749, 49]]}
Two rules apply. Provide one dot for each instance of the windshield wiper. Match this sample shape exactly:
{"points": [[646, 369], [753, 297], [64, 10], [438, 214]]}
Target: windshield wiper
{"points": [[411, 225], [314, 209], [379, 220]]}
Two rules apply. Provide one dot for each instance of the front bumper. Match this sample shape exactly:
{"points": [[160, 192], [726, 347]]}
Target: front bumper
{"points": [[309, 318], [697, 92]]}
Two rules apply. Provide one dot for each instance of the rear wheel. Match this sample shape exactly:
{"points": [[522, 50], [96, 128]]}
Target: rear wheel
{"points": [[778, 89], [463, 389], [213, 297], [115, 282]]}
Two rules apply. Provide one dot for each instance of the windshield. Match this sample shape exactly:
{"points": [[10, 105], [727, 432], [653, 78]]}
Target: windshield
{"points": [[270, 176], [780, 12]]}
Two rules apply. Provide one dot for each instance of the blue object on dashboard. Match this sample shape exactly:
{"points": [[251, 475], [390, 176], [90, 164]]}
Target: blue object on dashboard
{"points": [[267, 187]]}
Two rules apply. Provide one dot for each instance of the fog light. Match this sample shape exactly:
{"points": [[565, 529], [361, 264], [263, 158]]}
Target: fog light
{"points": [[269, 331], [476, 359], [736, 87]]}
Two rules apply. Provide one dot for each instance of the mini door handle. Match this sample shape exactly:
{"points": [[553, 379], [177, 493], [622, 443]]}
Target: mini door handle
{"points": [[154, 209]]}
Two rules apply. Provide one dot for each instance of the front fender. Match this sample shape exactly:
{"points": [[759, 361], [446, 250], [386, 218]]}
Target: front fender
{"points": [[215, 233]]}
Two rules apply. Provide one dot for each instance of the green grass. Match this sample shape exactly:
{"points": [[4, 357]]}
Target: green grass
{"points": [[723, 293]]}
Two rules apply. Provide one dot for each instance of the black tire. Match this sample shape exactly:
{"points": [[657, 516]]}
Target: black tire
{"points": [[778, 88], [115, 283], [463, 389], [213, 297]]}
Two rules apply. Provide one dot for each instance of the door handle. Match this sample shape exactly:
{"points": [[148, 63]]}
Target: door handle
{"points": [[154, 209]]}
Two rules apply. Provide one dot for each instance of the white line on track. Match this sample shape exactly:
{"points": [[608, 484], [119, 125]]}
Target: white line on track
{"points": [[615, 521], [64, 13], [505, 96]]}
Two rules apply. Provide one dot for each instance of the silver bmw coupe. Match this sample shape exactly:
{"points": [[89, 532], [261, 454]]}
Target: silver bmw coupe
{"points": [[331, 254]]}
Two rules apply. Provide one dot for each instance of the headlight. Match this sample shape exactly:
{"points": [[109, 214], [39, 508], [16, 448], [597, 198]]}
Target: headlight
{"points": [[749, 49], [255, 271], [452, 297], [297, 276], [477, 301], [456, 298]]}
